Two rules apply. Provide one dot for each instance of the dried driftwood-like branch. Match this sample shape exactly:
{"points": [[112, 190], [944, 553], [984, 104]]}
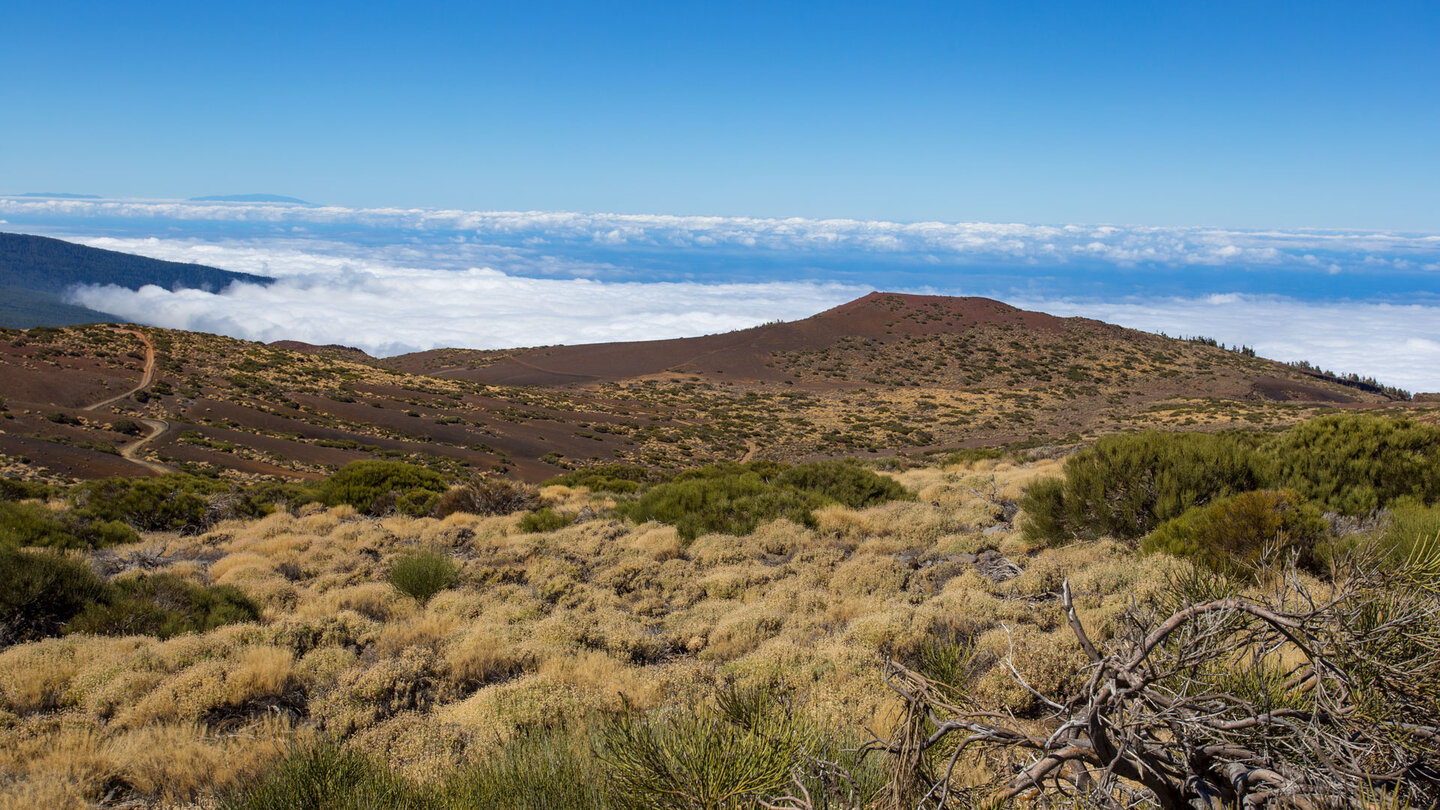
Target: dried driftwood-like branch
{"points": [[1282, 697]]}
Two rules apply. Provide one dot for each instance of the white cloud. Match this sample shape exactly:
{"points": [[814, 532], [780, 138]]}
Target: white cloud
{"points": [[1007, 242], [1398, 344], [389, 310]]}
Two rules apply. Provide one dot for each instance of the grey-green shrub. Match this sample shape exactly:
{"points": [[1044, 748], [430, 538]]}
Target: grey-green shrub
{"points": [[40, 592], [1235, 535], [1356, 463], [379, 487], [422, 574], [545, 520], [1125, 486], [163, 605], [735, 498]]}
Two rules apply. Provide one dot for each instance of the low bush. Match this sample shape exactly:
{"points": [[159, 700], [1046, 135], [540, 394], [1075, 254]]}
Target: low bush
{"points": [[14, 489], [1406, 529], [422, 574], [621, 479], [1125, 486], [61, 418], [1237, 534], [734, 498], [545, 520], [1356, 463], [128, 427], [40, 592], [542, 768], [327, 777], [33, 524], [970, 455], [550, 768], [172, 502], [488, 495], [698, 760], [162, 605], [842, 481], [732, 504], [380, 487]]}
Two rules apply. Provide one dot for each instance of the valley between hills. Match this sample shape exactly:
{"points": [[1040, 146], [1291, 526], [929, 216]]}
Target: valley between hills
{"points": [[885, 375]]}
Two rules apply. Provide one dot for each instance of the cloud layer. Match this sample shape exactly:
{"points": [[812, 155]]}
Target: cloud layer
{"points": [[1121, 246], [392, 310]]}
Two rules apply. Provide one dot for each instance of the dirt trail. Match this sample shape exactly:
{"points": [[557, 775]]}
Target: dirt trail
{"points": [[145, 379], [130, 451], [157, 426]]}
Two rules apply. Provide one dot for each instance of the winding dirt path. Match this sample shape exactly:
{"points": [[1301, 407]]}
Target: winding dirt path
{"points": [[130, 451], [157, 426], [145, 379]]}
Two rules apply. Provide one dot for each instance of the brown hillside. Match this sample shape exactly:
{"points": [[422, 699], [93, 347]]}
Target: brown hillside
{"points": [[745, 354], [881, 375]]}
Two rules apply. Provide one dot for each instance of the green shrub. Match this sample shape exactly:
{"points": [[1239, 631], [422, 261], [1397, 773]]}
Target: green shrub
{"points": [[40, 592], [545, 520], [128, 427], [60, 418], [1356, 463], [171, 502], [1234, 535], [488, 495], [33, 524], [622, 479], [732, 504], [549, 768], [842, 481], [377, 487], [422, 574], [328, 777], [1044, 508], [1406, 529], [734, 498], [1411, 528], [698, 760], [162, 605], [1125, 486], [14, 489]]}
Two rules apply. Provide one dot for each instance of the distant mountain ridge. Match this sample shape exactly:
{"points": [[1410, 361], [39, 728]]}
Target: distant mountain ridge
{"points": [[60, 195], [270, 198], [35, 272]]}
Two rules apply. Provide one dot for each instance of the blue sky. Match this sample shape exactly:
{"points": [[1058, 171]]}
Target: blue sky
{"points": [[1252, 115]]}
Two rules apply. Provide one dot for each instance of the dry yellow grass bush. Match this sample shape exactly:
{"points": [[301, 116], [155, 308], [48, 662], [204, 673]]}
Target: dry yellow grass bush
{"points": [[541, 629]]}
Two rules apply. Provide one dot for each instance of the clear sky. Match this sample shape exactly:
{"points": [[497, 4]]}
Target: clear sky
{"points": [[1236, 114]]}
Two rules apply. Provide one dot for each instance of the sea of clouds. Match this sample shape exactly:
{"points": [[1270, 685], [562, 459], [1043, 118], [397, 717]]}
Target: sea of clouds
{"points": [[396, 280]]}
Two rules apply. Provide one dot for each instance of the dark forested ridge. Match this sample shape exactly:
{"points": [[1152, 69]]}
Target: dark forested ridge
{"points": [[35, 271], [41, 263]]}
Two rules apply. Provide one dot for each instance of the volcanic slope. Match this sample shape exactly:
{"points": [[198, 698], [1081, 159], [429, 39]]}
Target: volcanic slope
{"points": [[890, 339], [880, 375]]}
